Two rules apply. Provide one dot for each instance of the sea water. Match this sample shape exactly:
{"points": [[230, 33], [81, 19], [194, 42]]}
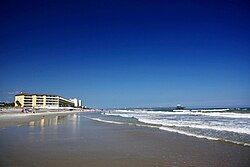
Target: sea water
{"points": [[229, 125]]}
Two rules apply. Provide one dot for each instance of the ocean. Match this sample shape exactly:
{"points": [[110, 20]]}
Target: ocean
{"points": [[228, 125]]}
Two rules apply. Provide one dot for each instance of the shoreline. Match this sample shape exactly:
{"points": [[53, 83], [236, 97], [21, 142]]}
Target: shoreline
{"points": [[174, 132]]}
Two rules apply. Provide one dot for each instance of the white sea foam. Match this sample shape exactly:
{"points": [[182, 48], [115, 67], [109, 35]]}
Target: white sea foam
{"points": [[128, 111], [106, 121], [168, 129], [198, 125], [225, 114], [122, 115], [187, 112], [188, 134], [122, 123], [219, 124], [201, 136], [209, 123]]}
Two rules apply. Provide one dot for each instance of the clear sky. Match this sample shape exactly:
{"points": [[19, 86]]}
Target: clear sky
{"points": [[127, 53]]}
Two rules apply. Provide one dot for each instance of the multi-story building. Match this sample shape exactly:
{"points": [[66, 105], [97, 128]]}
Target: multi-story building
{"points": [[41, 101], [77, 103], [80, 103]]}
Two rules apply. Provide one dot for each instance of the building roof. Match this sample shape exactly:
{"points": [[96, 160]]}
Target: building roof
{"points": [[38, 94]]}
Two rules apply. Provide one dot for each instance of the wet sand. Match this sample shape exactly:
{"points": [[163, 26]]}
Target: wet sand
{"points": [[74, 140], [18, 118]]}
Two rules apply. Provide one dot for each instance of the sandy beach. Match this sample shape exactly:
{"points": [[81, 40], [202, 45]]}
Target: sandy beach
{"points": [[16, 117], [63, 139]]}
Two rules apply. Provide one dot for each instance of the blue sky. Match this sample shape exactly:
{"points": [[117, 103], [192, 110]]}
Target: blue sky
{"points": [[129, 53]]}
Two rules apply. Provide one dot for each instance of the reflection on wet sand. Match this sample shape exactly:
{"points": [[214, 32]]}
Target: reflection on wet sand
{"points": [[38, 128], [32, 123], [54, 121]]}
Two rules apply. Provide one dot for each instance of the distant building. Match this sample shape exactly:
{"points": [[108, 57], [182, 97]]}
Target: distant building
{"points": [[41, 101], [75, 101], [80, 103]]}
